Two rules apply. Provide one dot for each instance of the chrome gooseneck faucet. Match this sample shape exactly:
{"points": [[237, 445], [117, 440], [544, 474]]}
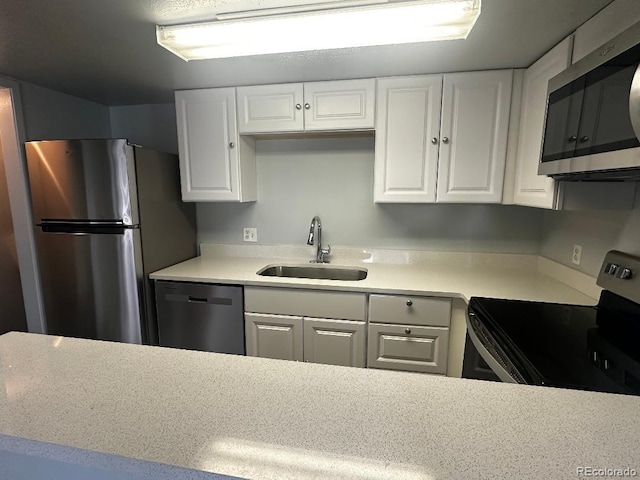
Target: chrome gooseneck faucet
{"points": [[320, 252]]}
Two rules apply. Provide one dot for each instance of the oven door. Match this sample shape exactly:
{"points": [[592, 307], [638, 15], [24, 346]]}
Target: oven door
{"points": [[474, 366], [489, 352]]}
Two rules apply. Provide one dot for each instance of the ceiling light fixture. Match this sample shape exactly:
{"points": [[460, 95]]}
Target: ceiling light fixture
{"points": [[337, 24]]}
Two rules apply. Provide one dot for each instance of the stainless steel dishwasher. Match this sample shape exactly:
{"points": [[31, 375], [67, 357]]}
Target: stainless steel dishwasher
{"points": [[198, 316]]}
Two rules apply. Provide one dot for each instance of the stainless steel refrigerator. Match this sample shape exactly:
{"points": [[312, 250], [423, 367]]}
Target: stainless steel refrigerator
{"points": [[107, 214]]}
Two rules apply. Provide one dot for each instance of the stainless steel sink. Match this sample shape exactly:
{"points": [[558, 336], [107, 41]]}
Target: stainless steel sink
{"points": [[318, 272]]}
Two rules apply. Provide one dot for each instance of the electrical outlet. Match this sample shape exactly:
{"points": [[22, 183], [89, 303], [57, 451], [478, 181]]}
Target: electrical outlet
{"points": [[250, 234], [577, 253]]}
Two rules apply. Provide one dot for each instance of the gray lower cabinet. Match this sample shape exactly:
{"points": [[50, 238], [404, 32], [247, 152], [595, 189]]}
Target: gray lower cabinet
{"points": [[316, 340], [335, 342], [306, 325], [409, 333], [273, 336], [408, 347]]}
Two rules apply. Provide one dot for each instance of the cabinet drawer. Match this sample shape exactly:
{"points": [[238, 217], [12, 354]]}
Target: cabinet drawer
{"points": [[422, 349], [306, 303], [409, 310]]}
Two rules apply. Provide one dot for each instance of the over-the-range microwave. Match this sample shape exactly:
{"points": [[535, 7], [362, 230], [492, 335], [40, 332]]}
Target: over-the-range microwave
{"points": [[592, 123]]}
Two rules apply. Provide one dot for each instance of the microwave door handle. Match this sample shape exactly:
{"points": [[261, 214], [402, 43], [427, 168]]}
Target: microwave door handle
{"points": [[634, 102]]}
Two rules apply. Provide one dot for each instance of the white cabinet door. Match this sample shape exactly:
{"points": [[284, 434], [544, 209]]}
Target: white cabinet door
{"points": [[270, 108], [335, 342], [531, 189], [339, 105], [407, 137], [408, 347], [210, 165], [475, 126], [273, 336]]}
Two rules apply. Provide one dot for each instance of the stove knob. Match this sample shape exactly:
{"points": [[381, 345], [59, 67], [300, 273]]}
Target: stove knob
{"points": [[611, 269], [606, 365], [626, 274], [594, 356]]}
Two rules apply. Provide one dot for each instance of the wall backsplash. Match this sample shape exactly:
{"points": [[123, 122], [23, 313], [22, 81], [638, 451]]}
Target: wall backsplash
{"points": [[333, 178], [597, 232]]}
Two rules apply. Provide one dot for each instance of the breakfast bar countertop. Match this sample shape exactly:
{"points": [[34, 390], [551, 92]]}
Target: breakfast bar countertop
{"points": [[266, 419]]}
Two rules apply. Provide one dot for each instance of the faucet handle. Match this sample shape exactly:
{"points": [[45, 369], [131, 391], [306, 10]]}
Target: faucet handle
{"points": [[323, 252]]}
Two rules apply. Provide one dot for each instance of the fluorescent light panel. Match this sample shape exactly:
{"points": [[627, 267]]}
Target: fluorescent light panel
{"points": [[379, 24]]}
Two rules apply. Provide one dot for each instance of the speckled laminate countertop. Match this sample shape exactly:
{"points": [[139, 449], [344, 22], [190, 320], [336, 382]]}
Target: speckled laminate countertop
{"points": [[448, 274], [270, 419]]}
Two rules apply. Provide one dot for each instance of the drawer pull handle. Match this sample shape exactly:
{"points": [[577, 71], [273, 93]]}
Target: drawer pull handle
{"points": [[409, 303], [407, 331]]}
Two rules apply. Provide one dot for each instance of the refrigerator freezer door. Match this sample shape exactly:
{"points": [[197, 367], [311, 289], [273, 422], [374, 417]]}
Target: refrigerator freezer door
{"points": [[91, 284], [79, 180]]}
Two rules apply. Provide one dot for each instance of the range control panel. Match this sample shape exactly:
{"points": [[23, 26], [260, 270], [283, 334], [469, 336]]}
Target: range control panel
{"points": [[620, 274]]}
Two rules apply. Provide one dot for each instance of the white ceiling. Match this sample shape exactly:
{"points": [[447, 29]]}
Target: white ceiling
{"points": [[105, 50]]}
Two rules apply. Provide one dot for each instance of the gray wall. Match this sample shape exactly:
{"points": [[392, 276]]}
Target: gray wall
{"points": [[333, 178], [50, 115], [597, 232], [152, 126]]}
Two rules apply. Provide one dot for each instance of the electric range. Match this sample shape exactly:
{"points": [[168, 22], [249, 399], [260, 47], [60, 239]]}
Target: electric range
{"points": [[569, 346]]}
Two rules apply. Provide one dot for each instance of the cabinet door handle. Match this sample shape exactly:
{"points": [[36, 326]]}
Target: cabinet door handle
{"points": [[572, 138], [434, 140], [307, 106], [407, 331], [298, 106], [409, 303], [445, 140], [232, 145], [584, 139]]}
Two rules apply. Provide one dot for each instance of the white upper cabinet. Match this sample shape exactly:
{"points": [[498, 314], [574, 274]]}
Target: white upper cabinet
{"points": [[215, 163], [318, 106], [445, 145], [270, 108], [531, 189], [473, 143], [407, 137], [341, 105]]}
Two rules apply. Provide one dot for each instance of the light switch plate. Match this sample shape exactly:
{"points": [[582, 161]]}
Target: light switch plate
{"points": [[250, 234]]}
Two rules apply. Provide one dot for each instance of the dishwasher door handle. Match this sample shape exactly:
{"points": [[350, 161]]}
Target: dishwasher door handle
{"points": [[173, 297], [198, 300]]}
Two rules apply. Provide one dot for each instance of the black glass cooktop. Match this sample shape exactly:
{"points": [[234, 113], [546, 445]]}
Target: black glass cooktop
{"points": [[590, 348]]}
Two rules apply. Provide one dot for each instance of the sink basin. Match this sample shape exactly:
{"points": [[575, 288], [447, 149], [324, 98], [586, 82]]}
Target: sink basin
{"points": [[319, 272]]}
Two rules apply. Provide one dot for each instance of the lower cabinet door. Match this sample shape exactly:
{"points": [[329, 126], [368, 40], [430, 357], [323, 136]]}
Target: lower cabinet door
{"points": [[408, 347], [273, 336], [335, 342]]}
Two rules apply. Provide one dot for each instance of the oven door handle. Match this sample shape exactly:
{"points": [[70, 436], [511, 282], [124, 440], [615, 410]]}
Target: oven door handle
{"points": [[498, 369]]}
